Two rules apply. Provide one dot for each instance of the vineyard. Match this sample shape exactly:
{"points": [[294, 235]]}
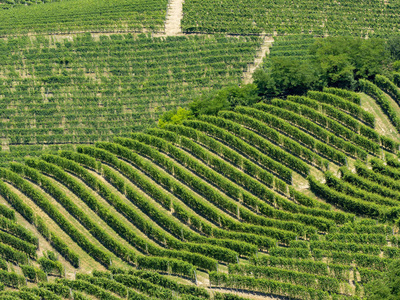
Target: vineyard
{"points": [[84, 90], [135, 163], [7, 4], [216, 195], [294, 46], [84, 15], [362, 18]]}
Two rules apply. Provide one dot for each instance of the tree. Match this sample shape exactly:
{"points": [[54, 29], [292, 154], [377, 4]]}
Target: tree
{"points": [[393, 46], [287, 76], [387, 288], [225, 99], [175, 116], [346, 59]]}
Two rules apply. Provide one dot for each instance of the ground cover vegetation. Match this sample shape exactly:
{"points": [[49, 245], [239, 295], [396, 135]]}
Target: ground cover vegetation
{"points": [[287, 187]]}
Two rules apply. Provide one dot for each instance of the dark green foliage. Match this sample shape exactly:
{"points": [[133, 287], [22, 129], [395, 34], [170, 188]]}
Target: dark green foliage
{"points": [[393, 46], [34, 274], [287, 76], [387, 287], [12, 279], [50, 266], [341, 62], [333, 61], [226, 98]]}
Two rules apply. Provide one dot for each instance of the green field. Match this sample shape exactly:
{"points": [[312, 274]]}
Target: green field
{"points": [[138, 165], [84, 90], [84, 15], [292, 17]]}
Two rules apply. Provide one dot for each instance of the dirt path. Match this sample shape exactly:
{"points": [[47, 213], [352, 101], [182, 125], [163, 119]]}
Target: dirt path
{"points": [[174, 17], [382, 123], [267, 43]]}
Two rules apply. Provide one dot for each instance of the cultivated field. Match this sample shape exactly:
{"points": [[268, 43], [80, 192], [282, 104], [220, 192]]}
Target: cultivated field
{"points": [[289, 198]]}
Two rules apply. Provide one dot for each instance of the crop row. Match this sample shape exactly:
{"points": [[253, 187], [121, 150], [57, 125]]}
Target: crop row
{"points": [[70, 16], [201, 207], [326, 122], [199, 152], [316, 130], [286, 17], [231, 190], [296, 134], [112, 220], [69, 89]]}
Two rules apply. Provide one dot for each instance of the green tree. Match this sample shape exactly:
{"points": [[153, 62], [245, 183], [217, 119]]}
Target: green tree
{"points": [[175, 116], [225, 99], [393, 46], [343, 60], [387, 288], [287, 76]]}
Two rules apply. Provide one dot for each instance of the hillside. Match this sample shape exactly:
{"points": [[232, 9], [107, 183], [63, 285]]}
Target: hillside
{"points": [[213, 192], [361, 18], [84, 15], [139, 162], [80, 91]]}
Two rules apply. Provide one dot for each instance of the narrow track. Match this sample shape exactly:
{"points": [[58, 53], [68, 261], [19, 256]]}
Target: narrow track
{"points": [[266, 44], [174, 17]]}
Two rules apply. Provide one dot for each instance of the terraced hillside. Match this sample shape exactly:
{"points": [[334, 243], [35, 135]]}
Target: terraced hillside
{"points": [[296, 46], [296, 197], [215, 200], [84, 90], [8, 4], [361, 18], [83, 15]]}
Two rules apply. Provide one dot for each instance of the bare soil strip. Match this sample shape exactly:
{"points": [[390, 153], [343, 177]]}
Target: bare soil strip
{"points": [[382, 123], [174, 17], [267, 43]]}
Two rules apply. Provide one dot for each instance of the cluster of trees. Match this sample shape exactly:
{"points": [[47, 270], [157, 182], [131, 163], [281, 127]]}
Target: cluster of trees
{"points": [[211, 103], [333, 61]]}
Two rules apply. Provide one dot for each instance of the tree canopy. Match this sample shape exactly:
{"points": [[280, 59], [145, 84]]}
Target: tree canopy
{"points": [[333, 61], [387, 288]]}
